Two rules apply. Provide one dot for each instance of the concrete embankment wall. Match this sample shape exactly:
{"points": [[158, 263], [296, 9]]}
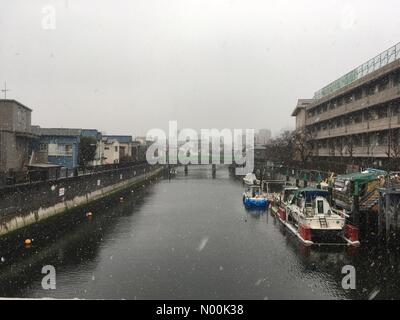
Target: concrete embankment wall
{"points": [[23, 205]]}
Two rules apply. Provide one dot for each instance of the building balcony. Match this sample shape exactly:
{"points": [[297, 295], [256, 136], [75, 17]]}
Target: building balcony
{"points": [[358, 128], [60, 154], [365, 102], [380, 151]]}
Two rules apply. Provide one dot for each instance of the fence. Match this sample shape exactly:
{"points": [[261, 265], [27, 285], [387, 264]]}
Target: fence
{"points": [[31, 176], [366, 68]]}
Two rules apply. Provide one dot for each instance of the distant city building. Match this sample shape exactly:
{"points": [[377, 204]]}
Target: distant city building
{"points": [[16, 136], [262, 137], [357, 116]]}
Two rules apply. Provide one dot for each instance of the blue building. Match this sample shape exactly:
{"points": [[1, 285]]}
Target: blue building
{"points": [[91, 133], [62, 145]]}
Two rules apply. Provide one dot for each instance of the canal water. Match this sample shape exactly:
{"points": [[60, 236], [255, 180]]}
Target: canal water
{"points": [[186, 238]]}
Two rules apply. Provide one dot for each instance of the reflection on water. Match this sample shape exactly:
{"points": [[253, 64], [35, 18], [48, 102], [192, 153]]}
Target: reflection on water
{"points": [[188, 237]]}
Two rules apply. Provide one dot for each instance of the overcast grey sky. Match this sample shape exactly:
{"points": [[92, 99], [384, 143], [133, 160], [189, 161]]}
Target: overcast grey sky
{"points": [[128, 66]]}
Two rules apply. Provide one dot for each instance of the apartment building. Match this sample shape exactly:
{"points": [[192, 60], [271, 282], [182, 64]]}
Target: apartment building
{"points": [[356, 117], [117, 148], [61, 145]]}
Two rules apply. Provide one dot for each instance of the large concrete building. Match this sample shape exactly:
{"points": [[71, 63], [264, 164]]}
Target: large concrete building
{"points": [[16, 135], [356, 117]]}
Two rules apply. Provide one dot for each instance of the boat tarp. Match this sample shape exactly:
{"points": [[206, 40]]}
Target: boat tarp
{"points": [[359, 177], [256, 202]]}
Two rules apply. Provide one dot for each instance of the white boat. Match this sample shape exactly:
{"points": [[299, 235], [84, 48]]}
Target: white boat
{"points": [[251, 179], [282, 199], [307, 213]]}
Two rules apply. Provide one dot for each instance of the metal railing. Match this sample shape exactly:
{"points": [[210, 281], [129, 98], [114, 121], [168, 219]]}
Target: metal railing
{"points": [[366, 68], [23, 177]]}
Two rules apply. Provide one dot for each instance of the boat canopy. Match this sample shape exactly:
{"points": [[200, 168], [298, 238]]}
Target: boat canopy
{"points": [[310, 194]]}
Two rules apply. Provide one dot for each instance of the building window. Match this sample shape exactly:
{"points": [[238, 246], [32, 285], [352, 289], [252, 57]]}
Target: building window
{"points": [[382, 139], [116, 148], [396, 78], [371, 89], [68, 149], [61, 148], [382, 113], [43, 147], [348, 99], [383, 84], [357, 118], [357, 141], [395, 109], [358, 94], [366, 140], [64, 149]]}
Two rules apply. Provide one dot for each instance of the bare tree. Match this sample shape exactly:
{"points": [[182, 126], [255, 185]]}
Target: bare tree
{"points": [[302, 145], [393, 151], [350, 146], [340, 147], [281, 148]]}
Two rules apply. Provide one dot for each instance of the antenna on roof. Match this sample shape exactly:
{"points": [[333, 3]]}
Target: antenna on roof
{"points": [[5, 90]]}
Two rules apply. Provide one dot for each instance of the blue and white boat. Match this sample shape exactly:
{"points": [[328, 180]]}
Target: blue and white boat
{"points": [[254, 197]]}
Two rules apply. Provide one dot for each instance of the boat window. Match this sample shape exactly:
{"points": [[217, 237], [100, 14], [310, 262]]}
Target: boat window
{"points": [[320, 205]]}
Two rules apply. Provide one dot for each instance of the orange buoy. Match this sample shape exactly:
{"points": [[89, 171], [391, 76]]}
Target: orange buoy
{"points": [[28, 242]]}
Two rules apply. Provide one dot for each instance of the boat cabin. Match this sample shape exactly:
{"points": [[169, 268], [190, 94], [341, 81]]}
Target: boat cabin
{"points": [[287, 193], [312, 201], [253, 191]]}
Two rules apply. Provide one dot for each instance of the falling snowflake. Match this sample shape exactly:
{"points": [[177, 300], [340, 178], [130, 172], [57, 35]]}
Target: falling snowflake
{"points": [[202, 243], [373, 294]]}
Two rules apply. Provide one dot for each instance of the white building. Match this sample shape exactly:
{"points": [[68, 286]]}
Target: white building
{"points": [[117, 149]]}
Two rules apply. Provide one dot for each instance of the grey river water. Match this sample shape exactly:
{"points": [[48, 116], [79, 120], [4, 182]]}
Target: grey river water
{"points": [[186, 238]]}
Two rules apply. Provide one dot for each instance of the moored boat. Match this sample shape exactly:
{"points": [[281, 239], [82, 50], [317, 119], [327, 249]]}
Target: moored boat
{"points": [[282, 200], [307, 213], [254, 196]]}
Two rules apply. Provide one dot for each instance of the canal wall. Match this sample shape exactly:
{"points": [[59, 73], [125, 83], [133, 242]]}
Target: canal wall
{"points": [[23, 205]]}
